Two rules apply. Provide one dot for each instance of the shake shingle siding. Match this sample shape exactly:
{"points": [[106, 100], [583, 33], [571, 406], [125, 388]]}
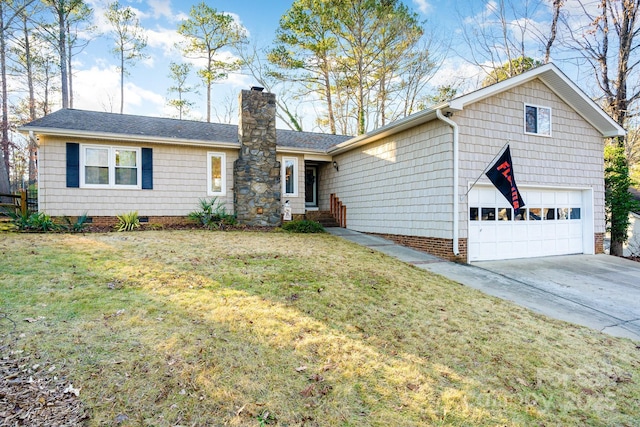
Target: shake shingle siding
{"points": [[397, 185], [572, 157], [179, 182]]}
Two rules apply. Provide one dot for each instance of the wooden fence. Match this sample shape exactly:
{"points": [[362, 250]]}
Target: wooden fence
{"points": [[19, 203]]}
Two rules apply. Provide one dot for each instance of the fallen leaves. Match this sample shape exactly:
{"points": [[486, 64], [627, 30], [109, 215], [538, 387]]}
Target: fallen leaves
{"points": [[31, 395]]}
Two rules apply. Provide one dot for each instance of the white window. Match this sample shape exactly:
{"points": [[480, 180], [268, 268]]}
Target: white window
{"points": [[290, 176], [110, 167], [537, 120], [217, 176]]}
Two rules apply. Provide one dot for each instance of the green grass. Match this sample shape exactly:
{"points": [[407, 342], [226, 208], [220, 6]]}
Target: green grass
{"points": [[246, 329]]}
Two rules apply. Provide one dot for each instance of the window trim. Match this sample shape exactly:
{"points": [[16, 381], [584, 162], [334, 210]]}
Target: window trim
{"points": [[538, 107], [283, 171], [111, 165], [223, 173]]}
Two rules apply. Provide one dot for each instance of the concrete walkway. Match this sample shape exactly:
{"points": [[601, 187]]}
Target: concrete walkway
{"points": [[598, 291]]}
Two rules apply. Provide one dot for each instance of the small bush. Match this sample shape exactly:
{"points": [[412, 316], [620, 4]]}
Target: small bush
{"points": [[128, 221], [20, 220], [76, 227], [37, 221], [213, 214], [303, 226]]}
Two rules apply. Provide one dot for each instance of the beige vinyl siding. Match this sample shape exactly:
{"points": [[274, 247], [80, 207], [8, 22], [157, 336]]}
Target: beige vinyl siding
{"points": [[397, 185], [179, 182], [572, 157]]}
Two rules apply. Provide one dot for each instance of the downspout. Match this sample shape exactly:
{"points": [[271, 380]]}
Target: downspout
{"points": [[32, 137], [456, 202]]}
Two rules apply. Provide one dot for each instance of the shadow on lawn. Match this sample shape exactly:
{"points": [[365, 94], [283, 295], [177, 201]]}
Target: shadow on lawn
{"points": [[247, 336]]}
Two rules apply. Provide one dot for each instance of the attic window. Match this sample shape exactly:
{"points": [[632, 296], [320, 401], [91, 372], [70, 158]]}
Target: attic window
{"points": [[537, 120]]}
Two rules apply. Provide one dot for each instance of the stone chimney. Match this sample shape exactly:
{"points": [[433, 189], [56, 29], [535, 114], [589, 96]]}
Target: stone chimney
{"points": [[256, 173]]}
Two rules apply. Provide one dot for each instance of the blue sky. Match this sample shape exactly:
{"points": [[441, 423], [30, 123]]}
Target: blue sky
{"points": [[96, 84]]}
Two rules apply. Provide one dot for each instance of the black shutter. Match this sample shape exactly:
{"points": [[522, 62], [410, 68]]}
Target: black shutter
{"points": [[73, 165], [147, 169]]}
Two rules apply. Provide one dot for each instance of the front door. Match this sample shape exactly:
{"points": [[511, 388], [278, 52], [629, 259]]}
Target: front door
{"points": [[311, 186]]}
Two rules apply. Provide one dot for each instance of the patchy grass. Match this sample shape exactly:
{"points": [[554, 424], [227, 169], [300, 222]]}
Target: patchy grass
{"points": [[200, 328]]}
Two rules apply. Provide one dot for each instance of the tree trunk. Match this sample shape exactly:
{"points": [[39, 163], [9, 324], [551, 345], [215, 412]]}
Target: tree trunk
{"points": [[557, 5], [616, 248], [33, 145], [70, 76], [208, 101], [4, 156], [328, 96], [62, 48], [122, 80]]}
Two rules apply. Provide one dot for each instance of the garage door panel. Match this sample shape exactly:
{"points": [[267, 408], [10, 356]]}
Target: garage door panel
{"points": [[549, 232], [548, 228], [487, 196]]}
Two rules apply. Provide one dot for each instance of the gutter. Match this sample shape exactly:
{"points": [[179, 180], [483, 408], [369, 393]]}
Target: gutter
{"points": [[125, 137], [456, 202]]}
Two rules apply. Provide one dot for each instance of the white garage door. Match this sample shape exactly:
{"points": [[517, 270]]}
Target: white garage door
{"points": [[552, 223]]}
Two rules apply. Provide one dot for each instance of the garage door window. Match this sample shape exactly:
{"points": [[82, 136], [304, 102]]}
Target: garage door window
{"points": [[525, 214], [568, 213]]}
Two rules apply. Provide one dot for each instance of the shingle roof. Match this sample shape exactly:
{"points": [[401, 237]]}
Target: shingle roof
{"points": [[101, 123]]}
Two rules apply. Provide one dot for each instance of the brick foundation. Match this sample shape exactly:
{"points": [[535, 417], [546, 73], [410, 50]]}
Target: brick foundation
{"points": [[599, 243], [109, 221], [442, 248]]}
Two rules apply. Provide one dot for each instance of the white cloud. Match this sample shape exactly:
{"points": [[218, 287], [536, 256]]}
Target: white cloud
{"points": [[457, 73], [98, 89], [423, 6], [161, 8], [163, 38]]}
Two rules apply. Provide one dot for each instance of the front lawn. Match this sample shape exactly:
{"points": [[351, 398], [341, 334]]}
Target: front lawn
{"points": [[201, 328]]}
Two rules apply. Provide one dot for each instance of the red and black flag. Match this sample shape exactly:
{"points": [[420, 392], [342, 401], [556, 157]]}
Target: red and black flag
{"points": [[501, 175]]}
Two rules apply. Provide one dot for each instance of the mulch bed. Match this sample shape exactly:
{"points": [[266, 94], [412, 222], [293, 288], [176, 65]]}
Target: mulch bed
{"points": [[34, 392]]}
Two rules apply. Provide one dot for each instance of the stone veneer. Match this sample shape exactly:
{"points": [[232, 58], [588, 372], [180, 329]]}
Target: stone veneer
{"points": [[256, 173]]}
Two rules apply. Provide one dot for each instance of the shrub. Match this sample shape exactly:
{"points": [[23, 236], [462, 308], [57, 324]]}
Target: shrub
{"points": [[37, 221], [42, 222], [303, 226], [20, 220], [128, 221], [78, 226], [212, 214]]}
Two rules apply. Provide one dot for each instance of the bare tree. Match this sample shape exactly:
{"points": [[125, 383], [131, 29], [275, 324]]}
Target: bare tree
{"points": [[9, 10], [504, 35], [271, 80], [226, 110], [207, 32], [129, 39], [179, 74], [607, 43], [553, 29], [62, 10], [77, 23]]}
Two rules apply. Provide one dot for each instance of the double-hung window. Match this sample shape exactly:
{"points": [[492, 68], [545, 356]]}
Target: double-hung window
{"points": [[110, 167], [537, 120], [216, 171], [290, 176]]}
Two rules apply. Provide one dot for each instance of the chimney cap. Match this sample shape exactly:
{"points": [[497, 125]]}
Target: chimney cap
{"points": [[257, 88]]}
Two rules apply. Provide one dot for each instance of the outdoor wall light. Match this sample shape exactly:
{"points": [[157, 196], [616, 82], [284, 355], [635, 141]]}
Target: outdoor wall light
{"points": [[335, 165]]}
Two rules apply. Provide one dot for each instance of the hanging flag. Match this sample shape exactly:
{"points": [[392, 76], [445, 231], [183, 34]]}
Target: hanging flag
{"points": [[501, 175]]}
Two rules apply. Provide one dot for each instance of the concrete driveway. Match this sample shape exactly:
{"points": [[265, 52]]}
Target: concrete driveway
{"points": [[598, 291]]}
